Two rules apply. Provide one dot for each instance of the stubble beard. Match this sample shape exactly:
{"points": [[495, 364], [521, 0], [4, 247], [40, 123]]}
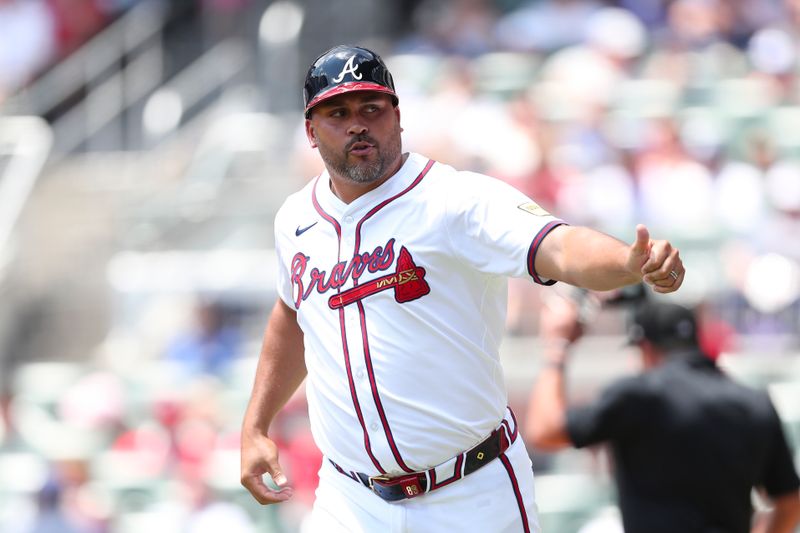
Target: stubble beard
{"points": [[363, 172]]}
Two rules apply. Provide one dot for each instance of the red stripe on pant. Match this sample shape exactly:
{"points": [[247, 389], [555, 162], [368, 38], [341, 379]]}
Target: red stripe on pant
{"points": [[517, 494]]}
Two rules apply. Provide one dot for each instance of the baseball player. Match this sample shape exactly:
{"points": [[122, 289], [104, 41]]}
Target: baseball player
{"points": [[392, 284]]}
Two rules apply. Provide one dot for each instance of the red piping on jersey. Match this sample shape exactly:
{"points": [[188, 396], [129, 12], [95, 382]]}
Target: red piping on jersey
{"points": [[517, 494], [351, 383], [374, 386], [389, 200], [537, 240], [325, 215], [367, 356], [354, 395], [512, 435]]}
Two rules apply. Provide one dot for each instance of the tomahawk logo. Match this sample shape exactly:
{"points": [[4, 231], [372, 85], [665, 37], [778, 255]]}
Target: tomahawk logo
{"points": [[349, 68], [408, 282]]}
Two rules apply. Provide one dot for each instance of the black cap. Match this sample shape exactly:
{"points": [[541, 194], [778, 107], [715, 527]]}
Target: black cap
{"points": [[344, 69], [665, 325]]}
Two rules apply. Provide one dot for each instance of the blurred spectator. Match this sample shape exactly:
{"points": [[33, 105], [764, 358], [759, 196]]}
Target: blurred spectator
{"points": [[208, 514], [459, 27], [740, 202], [688, 443], [665, 172], [538, 178], [747, 16], [739, 198], [57, 508], [195, 430], [692, 49], [454, 93], [694, 24], [772, 51], [545, 26], [27, 42], [78, 405], [209, 346], [652, 13], [616, 34], [603, 59]]}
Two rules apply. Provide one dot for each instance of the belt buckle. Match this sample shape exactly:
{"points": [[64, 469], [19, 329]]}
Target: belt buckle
{"points": [[396, 488]]}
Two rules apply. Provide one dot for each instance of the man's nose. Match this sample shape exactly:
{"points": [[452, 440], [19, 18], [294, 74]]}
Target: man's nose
{"points": [[356, 128]]}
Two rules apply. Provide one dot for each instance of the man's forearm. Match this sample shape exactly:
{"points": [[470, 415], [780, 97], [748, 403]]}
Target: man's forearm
{"points": [[547, 408], [595, 261], [281, 369], [785, 515]]}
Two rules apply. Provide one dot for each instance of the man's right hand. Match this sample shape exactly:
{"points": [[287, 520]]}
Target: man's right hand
{"points": [[259, 456]]}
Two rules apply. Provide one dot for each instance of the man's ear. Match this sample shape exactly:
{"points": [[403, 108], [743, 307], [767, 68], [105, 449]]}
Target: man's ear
{"points": [[397, 112], [310, 134]]}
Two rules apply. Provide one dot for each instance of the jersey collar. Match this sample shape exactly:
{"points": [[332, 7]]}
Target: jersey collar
{"points": [[398, 182]]}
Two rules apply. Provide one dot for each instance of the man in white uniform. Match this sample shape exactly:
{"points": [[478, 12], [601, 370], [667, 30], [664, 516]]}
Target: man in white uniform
{"points": [[392, 283]]}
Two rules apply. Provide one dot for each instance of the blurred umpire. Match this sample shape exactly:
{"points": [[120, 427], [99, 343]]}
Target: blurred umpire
{"points": [[688, 443]]}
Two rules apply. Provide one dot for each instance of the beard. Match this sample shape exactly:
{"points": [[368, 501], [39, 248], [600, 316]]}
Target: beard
{"points": [[365, 171]]}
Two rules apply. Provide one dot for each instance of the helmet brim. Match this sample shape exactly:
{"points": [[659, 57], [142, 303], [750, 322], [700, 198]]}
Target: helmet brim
{"points": [[348, 87]]}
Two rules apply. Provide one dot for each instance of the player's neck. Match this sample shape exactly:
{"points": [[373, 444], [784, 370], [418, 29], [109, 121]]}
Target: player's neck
{"points": [[348, 191]]}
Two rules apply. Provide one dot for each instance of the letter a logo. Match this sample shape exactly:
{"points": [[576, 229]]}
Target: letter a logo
{"points": [[349, 67]]}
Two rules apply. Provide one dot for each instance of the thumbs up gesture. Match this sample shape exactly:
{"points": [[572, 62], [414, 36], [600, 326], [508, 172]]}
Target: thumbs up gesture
{"points": [[656, 261]]}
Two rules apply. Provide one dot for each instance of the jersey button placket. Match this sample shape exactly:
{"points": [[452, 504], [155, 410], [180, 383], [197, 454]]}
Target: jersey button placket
{"points": [[348, 237]]}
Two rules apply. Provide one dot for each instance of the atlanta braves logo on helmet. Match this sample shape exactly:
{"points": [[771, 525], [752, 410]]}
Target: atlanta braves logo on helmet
{"points": [[349, 68]]}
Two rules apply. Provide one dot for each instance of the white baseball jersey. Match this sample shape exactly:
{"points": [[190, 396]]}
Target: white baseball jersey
{"points": [[401, 296]]}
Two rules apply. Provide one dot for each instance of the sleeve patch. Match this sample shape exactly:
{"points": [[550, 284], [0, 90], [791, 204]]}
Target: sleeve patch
{"points": [[534, 209]]}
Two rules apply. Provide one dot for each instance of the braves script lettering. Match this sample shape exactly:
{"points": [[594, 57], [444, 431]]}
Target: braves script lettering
{"points": [[381, 258]]}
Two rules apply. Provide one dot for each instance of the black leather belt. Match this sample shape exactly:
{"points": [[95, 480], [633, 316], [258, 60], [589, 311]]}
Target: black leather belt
{"points": [[415, 484]]}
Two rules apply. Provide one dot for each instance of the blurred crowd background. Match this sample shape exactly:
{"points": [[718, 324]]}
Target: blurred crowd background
{"points": [[145, 146]]}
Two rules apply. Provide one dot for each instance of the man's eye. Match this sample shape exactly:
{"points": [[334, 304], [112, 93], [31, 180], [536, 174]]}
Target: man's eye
{"points": [[371, 108]]}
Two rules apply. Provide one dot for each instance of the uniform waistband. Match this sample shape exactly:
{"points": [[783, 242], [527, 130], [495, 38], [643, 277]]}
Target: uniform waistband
{"points": [[404, 486]]}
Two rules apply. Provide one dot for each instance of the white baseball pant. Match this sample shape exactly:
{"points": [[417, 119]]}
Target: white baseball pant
{"points": [[484, 501]]}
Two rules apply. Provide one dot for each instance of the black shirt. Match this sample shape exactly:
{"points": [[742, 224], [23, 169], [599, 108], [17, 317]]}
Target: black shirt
{"points": [[688, 445]]}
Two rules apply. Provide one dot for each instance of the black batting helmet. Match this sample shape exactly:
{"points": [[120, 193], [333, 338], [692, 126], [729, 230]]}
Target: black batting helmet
{"points": [[344, 69]]}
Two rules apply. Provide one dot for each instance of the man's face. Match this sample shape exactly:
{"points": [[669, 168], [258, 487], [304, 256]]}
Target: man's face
{"points": [[358, 135]]}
